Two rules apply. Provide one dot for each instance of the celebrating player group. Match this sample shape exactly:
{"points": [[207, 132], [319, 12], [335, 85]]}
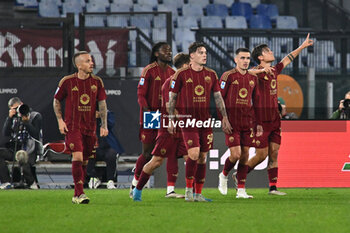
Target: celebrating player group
{"points": [[246, 100]]}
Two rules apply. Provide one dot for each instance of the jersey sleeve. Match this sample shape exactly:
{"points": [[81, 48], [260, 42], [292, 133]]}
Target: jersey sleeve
{"points": [[224, 84], [216, 87], [165, 90], [176, 83], [257, 105], [278, 68], [142, 89], [61, 91]]}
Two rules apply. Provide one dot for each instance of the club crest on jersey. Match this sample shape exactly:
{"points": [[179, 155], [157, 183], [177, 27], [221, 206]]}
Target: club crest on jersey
{"points": [[243, 93], [157, 78], [251, 83], [207, 79], [142, 81], [273, 83], [172, 84], [266, 78], [223, 83], [84, 99], [93, 88], [199, 90], [75, 88]]}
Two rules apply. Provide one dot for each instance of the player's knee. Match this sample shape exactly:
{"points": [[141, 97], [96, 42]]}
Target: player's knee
{"points": [[234, 157]]}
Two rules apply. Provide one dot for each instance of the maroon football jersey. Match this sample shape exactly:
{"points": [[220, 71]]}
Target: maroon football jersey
{"points": [[241, 97], [149, 87], [80, 101], [268, 92], [194, 88]]}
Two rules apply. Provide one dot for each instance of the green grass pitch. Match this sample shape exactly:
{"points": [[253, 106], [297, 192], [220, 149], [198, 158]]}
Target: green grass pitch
{"points": [[302, 210]]}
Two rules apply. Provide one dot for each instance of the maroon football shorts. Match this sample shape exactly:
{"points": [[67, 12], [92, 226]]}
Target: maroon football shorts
{"points": [[167, 145], [240, 138], [78, 142], [272, 133], [148, 136], [198, 137]]}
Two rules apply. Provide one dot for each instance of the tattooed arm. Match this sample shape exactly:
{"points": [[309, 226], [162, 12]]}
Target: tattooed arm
{"points": [[172, 104], [58, 112], [102, 107], [220, 104]]}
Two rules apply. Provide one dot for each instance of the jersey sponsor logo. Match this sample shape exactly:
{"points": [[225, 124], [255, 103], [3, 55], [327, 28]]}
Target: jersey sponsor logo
{"points": [[223, 83], [84, 99], [157, 78], [151, 120], [172, 84], [75, 88], [235, 82], [251, 83], [243, 93], [207, 79], [199, 90], [273, 83], [142, 81], [189, 80], [94, 88]]}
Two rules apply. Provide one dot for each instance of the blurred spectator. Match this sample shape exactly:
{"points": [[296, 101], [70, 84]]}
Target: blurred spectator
{"points": [[343, 111], [107, 150]]}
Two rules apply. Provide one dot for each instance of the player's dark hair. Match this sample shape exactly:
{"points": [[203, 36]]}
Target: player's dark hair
{"points": [[77, 55], [155, 49], [257, 51], [180, 59], [244, 50], [194, 46]]}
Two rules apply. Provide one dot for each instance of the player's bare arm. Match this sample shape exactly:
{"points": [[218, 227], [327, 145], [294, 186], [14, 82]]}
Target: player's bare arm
{"points": [[267, 69], [102, 106], [291, 56], [172, 104], [58, 112], [220, 104]]}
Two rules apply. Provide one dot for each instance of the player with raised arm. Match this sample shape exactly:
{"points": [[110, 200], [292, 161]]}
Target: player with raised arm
{"points": [[269, 142], [194, 86]]}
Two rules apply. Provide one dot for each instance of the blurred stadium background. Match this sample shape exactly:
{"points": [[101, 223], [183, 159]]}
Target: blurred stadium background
{"points": [[39, 37]]}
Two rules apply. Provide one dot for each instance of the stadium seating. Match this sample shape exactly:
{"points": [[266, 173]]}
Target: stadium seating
{"points": [[184, 34], [117, 21], [116, 7], [269, 10], [260, 22], [211, 22], [71, 7], [27, 3], [286, 22], [187, 22], [242, 9], [94, 7], [172, 9], [142, 8], [217, 10], [48, 9], [237, 22], [192, 9], [94, 21], [158, 34], [159, 21], [152, 3], [253, 3], [126, 2], [228, 3], [201, 3], [172, 3], [140, 22], [104, 3]]}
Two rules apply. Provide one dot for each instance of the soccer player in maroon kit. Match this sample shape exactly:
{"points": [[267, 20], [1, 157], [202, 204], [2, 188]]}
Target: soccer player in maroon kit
{"points": [[194, 86], [149, 98], [167, 145], [269, 142], [241, 95], [81, 91]]}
